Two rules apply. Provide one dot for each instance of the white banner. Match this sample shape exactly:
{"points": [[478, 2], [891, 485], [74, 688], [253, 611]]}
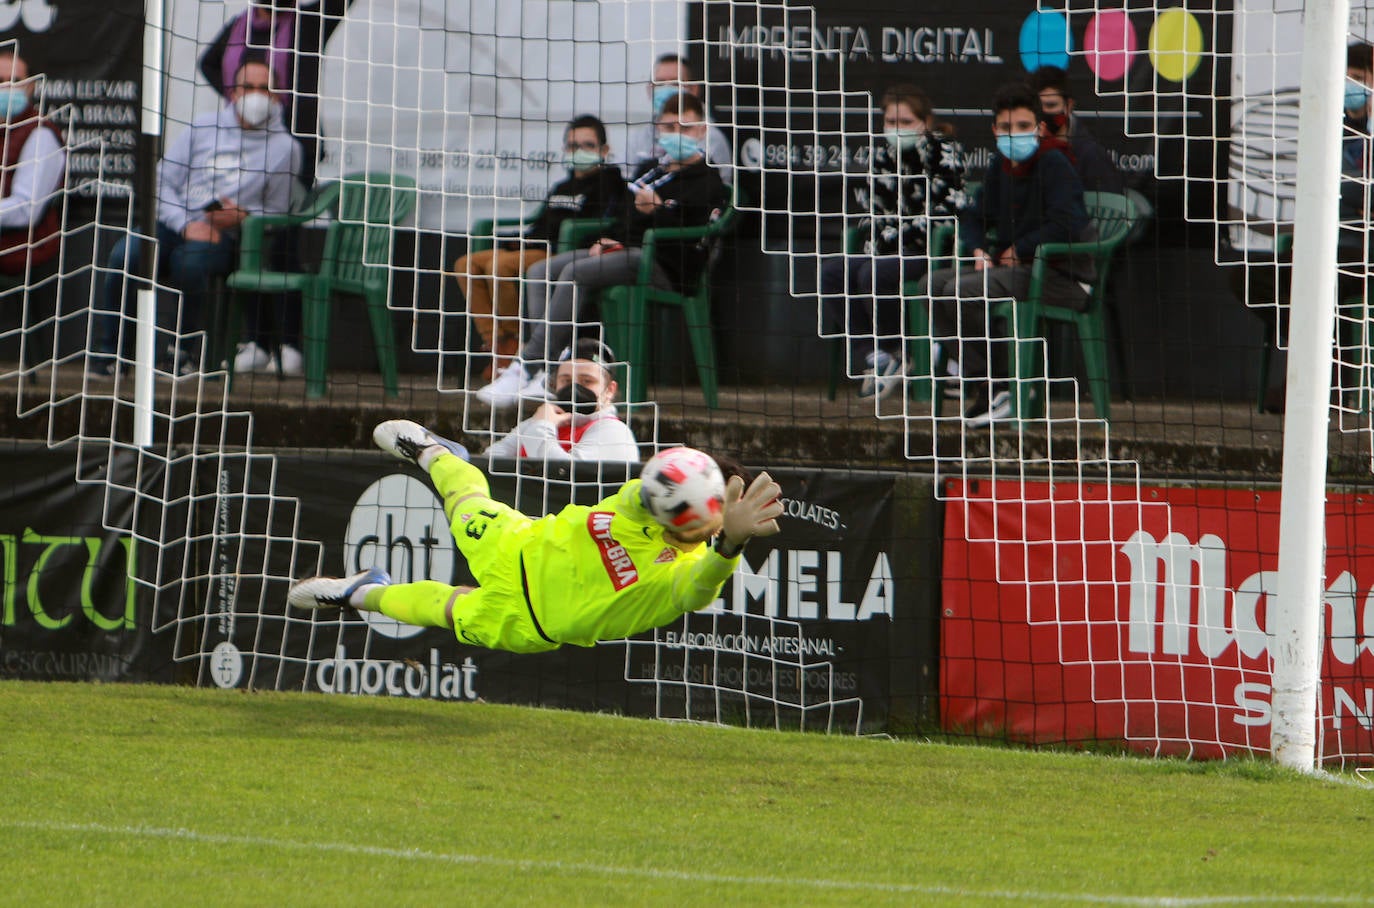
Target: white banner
{"points": [[468, 96]]}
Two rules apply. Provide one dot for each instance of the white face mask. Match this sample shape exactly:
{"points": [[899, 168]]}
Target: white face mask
{"points": [[254, 108]]}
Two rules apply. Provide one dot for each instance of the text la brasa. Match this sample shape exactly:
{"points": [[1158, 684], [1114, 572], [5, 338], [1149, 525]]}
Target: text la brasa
{"points": [[806, 584]]}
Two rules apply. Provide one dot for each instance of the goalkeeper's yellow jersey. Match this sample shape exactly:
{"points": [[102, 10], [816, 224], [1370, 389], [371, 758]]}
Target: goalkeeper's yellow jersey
{"points": [[605, 572]]}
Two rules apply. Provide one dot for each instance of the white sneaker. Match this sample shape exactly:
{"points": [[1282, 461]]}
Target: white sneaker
{"points": [[987, 409], [251, 358], [334, 592], [505, 388], [537, 388], [292, 363], [883, 375], [404, 439]]}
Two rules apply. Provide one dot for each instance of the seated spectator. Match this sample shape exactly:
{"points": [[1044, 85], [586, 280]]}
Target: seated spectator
{"points": [[1094, 165], [1031, 195], [1264, 282], [225, 166], [34, 162], [915, 173], [684, 192], [490, 278], [1355, 164], [579, 421], [296, 39], [671, 75]]}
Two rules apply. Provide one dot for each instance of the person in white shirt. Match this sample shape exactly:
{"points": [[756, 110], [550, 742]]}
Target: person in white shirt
{"points": [[228, 165], [33, 167], [580, 421], [672, 74]]}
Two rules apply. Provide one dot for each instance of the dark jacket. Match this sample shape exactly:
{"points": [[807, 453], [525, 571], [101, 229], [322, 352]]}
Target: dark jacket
{"points": [[1355, 174], [598, 194], [691, 197], [1042, 202], [1094, 165]]}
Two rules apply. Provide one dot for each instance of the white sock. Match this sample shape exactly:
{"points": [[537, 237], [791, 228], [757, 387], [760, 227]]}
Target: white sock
{"points": [[428, 454], [357, 600]]}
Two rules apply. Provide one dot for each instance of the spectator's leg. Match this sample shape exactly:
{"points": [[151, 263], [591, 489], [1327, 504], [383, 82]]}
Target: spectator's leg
{"points": [[549, 303], [939, 289], [473, 272], [984, 346], [509, 273], [858, 310], [123, 264], [191, 266], [889, 328]]}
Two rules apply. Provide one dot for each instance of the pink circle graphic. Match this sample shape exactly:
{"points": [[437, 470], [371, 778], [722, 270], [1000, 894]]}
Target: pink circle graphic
{"points": [[1110, 44]]}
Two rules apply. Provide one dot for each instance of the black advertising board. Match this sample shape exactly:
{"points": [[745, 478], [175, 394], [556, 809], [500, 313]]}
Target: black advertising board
{"points": [[817, 629], [802, 634], [92, 57], [70, 611], [784, 77]]}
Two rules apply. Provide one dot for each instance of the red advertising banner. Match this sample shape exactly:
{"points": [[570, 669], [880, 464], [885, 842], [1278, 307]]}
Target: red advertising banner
{"points": [[1135, 614]]}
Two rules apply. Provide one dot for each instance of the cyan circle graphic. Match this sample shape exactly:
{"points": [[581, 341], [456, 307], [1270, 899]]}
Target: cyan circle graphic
{"points": [[1045, 41]]}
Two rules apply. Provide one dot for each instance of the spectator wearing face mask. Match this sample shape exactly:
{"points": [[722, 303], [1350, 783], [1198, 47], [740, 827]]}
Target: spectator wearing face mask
{"points": [[490, 279], [672, 75], [916, 172], [579, 421], [681, 191], [1094, 165], [227, 165], [294, 40], [1355, 151], [1031, 195], [33, 166]]}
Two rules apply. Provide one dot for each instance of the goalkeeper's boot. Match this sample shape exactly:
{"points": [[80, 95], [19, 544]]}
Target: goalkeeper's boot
{"points": [[334, 592], [404, 439]]}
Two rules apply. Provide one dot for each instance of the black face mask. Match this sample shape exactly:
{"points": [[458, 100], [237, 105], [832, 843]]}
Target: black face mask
{"points": [[577, 400]]}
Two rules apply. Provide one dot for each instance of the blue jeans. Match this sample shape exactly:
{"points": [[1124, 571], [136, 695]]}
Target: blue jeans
{"points": [[186, 265], [862, 297]]}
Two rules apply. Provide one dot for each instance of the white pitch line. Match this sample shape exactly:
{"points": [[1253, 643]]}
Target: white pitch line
{"points": [[649, 873]]}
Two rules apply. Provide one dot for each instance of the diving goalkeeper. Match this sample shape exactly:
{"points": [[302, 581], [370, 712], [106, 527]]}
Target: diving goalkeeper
{"points": [[663, 545]]}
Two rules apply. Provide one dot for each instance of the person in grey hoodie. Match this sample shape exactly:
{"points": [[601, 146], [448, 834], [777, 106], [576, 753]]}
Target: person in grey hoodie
{"points": [[228, 165]]}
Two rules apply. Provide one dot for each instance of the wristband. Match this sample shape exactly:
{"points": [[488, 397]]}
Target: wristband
{"points": [[726, 550]]}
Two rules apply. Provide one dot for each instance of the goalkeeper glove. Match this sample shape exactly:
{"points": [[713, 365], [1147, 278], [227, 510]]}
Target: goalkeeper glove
{"points": [[750, 513]]}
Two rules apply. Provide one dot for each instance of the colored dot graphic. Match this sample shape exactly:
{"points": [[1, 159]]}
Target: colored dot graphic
{"points": [[1045, 40], [1176, 44], [1111, 45]]}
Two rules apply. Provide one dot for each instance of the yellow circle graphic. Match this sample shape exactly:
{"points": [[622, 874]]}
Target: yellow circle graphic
{"points": [[1176, 44]]}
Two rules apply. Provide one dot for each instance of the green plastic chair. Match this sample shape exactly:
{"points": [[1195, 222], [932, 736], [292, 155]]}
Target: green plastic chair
{"points": [[484, 233], [356, 260], [625, 309], [1115, 217]]}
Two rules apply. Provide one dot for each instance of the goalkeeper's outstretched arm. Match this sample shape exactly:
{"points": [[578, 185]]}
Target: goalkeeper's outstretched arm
{"points": [[750, 513]]}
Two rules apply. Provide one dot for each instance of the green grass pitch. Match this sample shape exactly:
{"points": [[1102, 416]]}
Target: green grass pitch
{"points": [[146, 795]]}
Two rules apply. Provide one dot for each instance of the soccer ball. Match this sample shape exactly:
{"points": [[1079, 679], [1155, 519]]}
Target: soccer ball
{"points": [[683, 489]]}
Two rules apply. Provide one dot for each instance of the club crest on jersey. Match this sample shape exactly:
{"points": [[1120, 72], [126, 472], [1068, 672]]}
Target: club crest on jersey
{"points": [[619, 567], [668, 554]]}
